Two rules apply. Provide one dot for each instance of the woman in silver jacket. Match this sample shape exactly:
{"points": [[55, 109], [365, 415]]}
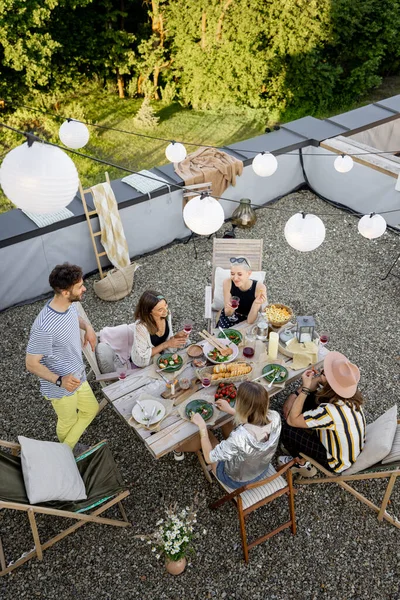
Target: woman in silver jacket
{"points": [[245, 455]]}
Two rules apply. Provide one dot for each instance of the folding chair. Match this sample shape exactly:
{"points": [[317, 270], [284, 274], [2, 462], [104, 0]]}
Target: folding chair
{"points": [[223, 250], [90, 356], [104, 488], [377, 471], [254, 495]]}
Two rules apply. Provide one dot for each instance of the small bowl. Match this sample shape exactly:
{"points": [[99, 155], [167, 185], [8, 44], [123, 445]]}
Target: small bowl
{"points": [[184, 383], [194, 351]]}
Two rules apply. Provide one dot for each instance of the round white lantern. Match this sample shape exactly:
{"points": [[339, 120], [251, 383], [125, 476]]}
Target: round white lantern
{"points": [[372, 226], [39, 178], [343, 163], [264, 164], [203, 215], [175, 152], [304, 232], [74, 134]]}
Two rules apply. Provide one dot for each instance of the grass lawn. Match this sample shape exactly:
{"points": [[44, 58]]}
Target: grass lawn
{"points": [[176, 123]]}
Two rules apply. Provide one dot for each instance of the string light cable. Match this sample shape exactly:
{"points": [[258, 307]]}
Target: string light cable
{"points": [[31, 137], [193, 144]]}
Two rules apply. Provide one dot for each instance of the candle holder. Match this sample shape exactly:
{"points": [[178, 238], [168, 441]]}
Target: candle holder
{"points": [[305, 329]]}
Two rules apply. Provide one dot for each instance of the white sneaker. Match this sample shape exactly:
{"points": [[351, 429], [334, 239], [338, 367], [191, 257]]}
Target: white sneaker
{"points": [[306, 470], [179, 455]]}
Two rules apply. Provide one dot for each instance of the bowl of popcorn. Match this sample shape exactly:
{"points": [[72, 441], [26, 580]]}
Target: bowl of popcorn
{"points": [[278, 315]]}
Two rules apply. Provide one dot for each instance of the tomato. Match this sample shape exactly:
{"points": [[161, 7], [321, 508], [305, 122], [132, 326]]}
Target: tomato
{"points": [[221, 385], [232, 396]]}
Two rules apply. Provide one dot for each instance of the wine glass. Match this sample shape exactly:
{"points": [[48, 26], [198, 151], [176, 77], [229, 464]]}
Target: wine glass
{"points": [[206, 381], [235, 300], [187, 328], [323, 338], [121, 372]]}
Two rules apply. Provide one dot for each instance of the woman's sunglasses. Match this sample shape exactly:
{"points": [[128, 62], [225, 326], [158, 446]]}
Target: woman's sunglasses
{"points": [[239, 260]]}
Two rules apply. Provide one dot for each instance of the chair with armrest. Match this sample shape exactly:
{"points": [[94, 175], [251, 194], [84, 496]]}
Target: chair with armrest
{"points": [[388, 467], [104, 488], [223, 250], [252, 496]]}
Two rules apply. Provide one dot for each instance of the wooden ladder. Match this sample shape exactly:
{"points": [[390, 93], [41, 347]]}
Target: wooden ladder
{"points": [[93, 234]]}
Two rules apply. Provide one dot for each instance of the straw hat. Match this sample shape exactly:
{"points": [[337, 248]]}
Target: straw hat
{"points": [[341, 374]]}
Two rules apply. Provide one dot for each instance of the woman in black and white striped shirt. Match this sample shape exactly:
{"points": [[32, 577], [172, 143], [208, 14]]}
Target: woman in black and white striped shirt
{"points": [[328, 424]]}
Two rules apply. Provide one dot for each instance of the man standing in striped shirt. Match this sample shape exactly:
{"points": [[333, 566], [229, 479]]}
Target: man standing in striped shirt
{"points": [[54, 354]]}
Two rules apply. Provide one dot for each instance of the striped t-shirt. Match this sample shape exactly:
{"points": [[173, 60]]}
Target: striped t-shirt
{"points": [[341, 430], [56, 336]]}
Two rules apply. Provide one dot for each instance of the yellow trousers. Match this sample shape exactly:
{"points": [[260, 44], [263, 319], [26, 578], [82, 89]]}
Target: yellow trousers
{"points": [[75, 413]]}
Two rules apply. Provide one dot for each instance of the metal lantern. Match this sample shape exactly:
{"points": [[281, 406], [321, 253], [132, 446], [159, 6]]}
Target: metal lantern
{"points": [[305, 328], [244, 215]]}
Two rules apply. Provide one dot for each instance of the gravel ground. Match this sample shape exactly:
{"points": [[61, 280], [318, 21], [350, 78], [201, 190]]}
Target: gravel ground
{"points": [[340, 551]]}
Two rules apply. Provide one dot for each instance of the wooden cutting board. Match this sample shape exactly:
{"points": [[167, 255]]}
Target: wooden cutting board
{"points": [[180, 394]]}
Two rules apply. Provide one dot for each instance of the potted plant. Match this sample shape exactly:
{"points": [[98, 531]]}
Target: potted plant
{"points": [[173, 537]]}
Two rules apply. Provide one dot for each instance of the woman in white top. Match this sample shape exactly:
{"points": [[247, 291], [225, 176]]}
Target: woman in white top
{"points": [[152, 329], [244, 457]]}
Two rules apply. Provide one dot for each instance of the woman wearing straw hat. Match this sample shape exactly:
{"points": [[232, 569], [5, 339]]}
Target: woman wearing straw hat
{"points": [[324, 418]]}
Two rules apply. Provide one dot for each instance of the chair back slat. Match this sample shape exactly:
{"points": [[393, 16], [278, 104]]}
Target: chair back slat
{"points": [[87, 350]]}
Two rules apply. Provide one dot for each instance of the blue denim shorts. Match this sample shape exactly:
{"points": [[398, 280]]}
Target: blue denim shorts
{"points": [[226, 480]]}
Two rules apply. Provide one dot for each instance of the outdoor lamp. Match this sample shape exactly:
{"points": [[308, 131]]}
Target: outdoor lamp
{"points": [[203, 214], [343, 163], [372, 226], [264, 164], [175, 152], [39, 178], [244, 215], [73, 134], [304, 232], [305, 329]]}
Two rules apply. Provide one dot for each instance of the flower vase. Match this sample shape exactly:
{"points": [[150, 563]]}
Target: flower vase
{"points": [[175, 567]]}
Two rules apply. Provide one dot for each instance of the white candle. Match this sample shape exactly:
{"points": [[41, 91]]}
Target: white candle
{"points": [[273, 345], [173, 388]]}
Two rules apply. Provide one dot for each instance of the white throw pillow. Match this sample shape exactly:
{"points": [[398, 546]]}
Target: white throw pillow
{"points": [[219, 277], [378, 441], [394, 455], [50, 472]]}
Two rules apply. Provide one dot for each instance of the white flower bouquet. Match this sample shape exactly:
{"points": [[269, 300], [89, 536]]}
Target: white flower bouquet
{"points": [[173, 534]]}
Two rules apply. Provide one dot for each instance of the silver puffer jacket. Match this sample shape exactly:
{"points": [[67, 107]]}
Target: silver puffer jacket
{"points": [[245, 458]]}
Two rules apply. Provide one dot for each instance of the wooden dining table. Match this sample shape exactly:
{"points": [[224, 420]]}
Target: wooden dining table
{"points": [[174, 430]]}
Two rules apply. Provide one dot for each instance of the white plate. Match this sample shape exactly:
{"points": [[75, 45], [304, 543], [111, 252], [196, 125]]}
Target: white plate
{"points": [[233, 356], [148, 405]]}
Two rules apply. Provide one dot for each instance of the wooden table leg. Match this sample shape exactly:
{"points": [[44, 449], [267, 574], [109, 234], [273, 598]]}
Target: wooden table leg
{"points": [[204, 466]]}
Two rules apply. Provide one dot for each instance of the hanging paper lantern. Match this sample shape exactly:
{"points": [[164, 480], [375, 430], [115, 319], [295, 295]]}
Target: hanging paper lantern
{"points": [[372, 226], [304, 232], [203, 215], [264, 164], [39, 178], [175, 152], [74, 134], [343, 163]]}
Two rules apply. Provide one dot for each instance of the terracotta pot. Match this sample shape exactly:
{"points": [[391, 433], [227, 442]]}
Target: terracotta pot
{"points": [[176, 567]]}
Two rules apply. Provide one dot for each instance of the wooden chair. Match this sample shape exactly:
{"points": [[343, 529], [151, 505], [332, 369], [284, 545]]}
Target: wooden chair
{"points": [[104, 488], [223, 250], [378, 471], [252, 496], [90, 356]]}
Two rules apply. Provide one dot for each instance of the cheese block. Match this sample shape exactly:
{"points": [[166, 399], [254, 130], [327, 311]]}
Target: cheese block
{"points": [[304, 354]]}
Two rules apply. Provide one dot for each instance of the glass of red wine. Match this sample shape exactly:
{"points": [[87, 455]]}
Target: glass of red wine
{"points": [[249, 345], [187, 328], [323, 338], [235, 300], [206, 381], [121, 372]]}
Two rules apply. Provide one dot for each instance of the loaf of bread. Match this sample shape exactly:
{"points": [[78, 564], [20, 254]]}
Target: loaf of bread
{"points": [[236, 371], [230, 367]]}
